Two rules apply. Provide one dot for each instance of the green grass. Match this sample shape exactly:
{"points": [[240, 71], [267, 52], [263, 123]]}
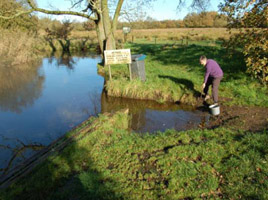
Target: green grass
{"points": [[111, 163], [177, 42], [173, 74]]}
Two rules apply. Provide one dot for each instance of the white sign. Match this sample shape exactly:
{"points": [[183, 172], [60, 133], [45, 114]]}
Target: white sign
{"points": [[126, 30], [120, 56]]}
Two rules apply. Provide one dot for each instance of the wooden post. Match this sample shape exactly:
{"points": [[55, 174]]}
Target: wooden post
{"points": [[110, 73], [130, 74]]}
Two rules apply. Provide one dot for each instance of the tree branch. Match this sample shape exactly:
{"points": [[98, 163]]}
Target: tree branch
{"points": [[116, 14], [34, 8], [17, 14], [74, 4]]}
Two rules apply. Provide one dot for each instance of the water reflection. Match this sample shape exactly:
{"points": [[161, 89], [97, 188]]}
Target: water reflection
{"points": [[150, 116], [65, 60], [20, 86], [17, 151], [39, 103]]}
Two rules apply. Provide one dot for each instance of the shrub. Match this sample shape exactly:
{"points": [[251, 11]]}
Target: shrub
{"points": [[250, 17], [256, 56]]}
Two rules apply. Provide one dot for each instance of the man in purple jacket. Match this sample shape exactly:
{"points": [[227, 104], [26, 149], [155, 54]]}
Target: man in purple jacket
{"points": [[213, 77]]}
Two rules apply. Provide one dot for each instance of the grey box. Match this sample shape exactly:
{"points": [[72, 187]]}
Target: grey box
{"points": [[138, 66]]}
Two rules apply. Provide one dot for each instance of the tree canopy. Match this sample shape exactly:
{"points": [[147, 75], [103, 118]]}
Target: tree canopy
{"points": [[26, 21], [205, 19], [250, 17]]}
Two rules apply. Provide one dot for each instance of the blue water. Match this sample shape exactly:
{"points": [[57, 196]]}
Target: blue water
{"points": [[45, 104], [39, 103]]}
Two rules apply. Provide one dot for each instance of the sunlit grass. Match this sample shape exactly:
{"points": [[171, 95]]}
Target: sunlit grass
{"points": [[173, 73], [111, 163]]}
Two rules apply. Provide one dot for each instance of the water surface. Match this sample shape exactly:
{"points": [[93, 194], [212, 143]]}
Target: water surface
{"points": [[41, 102]]}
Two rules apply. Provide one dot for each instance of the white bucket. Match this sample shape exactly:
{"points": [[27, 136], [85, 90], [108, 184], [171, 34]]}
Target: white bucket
{"points": [[214, 109]]}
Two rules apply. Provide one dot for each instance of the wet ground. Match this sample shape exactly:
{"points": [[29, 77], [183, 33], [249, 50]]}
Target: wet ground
{"points": [[252, 119], [246, 118]]}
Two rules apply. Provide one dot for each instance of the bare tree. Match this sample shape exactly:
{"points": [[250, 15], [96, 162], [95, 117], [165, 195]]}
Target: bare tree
{"points": [[200, 5], [97, 10], [104, 13]]}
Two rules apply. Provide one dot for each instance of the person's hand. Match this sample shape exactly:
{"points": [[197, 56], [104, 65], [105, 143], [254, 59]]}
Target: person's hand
{"points": [[203, 86]]}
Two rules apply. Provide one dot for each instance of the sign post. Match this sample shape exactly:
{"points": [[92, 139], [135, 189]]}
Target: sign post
{"points": [[120, 56], [110, 73], [130, 74], [126, 31]]}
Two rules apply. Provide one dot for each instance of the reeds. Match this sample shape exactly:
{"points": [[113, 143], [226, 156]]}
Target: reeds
{"points": [[17, 47]]}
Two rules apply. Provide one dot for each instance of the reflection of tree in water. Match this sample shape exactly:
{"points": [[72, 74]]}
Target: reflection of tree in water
{"points": [[63, 59], [95, 99], [137, 108], [17, 150], [66, 60], [20, 86]]}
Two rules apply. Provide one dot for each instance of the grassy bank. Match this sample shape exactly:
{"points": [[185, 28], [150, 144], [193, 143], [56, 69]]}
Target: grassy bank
{"points": [[173, 73], [111, 163]]}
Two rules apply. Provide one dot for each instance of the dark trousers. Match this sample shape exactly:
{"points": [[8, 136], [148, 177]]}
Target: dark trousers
{"points": [[215, 82]]}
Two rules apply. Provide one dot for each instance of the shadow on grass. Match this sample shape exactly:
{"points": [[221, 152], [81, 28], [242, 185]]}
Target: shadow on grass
{"points": [[70, 175], [189, 84], [233, 67], [87, 184]]}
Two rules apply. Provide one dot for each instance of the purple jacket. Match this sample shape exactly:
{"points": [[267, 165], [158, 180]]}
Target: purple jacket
{"points": [[212, 70]]}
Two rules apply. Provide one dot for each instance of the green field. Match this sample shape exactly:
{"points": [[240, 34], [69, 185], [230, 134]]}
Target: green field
{"points": [[173, 73]]}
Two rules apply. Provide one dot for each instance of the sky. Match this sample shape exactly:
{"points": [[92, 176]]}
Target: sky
{"points": [[167, 9], [160, 10]]}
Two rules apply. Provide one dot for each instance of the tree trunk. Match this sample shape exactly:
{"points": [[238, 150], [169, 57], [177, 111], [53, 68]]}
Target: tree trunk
{"points": [[104, 28], [109, 42], [100, 34]]}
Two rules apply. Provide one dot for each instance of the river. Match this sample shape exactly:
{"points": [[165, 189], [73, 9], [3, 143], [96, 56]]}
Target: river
{"points": [[39, 103]]}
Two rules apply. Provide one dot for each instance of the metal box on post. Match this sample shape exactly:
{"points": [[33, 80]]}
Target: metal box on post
{"points": [[138, 66]]}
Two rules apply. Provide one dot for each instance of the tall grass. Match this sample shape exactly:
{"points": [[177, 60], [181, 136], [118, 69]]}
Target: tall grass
{"points": [[178, 34], [17, 47], [172, 34]]}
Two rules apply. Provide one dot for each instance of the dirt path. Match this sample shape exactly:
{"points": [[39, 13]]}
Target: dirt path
{"points": [[245, 118]]}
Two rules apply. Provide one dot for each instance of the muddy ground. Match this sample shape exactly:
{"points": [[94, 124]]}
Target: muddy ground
{"points": [[247, 118]]}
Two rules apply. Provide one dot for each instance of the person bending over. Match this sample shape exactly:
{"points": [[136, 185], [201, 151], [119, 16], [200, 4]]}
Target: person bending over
{"points": [[212, 77]]}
